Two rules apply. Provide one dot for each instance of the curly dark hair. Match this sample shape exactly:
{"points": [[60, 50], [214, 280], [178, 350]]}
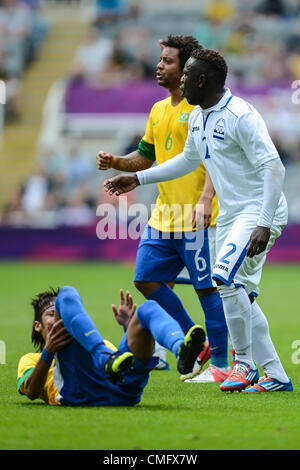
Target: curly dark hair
{"points": [[216, 67], [185, 46], [40, 303]]}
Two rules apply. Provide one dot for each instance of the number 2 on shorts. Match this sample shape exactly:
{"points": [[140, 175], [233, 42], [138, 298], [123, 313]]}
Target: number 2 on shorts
{"points": [[230, 252]]}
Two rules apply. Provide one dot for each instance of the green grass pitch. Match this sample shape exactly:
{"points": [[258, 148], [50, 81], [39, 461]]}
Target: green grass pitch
{"points": [[171, 415]]}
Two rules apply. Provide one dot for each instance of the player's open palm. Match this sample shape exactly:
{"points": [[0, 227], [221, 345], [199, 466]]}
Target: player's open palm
{"points": [[104, 160], [120, 184], [126, 309]]}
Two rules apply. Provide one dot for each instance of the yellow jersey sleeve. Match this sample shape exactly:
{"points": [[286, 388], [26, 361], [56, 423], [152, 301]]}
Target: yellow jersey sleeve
{"points": [[148, 137], [26, 365], [146, 146]]}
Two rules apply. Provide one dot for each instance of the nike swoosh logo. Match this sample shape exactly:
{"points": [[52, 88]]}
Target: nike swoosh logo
{"points": [[201, 278], [175, 333], [90, 332], [154, 123]]}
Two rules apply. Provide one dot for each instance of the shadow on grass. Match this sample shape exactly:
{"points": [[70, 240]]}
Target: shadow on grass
{"points": [[140, 407]]}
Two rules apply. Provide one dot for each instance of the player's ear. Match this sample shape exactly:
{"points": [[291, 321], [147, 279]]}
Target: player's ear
{"points": [[37, 326], [202, 80]]}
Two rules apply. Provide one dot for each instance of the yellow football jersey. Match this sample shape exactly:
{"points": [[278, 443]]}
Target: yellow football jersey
{"points": [[164, 138], [26, 365]]}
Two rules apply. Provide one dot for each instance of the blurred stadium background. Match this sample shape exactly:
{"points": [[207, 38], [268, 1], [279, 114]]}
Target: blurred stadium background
{"points": [[80, 77]]}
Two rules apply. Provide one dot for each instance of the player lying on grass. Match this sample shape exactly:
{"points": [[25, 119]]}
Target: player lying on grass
{"points": [[77, 367], [230, 137]]}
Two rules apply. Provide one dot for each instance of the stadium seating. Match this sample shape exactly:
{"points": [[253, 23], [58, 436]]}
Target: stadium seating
{"points": [[107, 93]]}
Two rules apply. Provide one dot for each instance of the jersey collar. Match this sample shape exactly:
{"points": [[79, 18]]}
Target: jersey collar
{"points": [[221, 104]]}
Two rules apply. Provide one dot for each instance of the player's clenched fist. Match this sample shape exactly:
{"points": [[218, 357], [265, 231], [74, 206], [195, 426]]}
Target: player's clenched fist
{"points": [[105, 160]]}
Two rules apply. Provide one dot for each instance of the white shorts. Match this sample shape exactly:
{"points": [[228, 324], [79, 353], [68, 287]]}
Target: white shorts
{"points": [[184, 277], [232, 265]]}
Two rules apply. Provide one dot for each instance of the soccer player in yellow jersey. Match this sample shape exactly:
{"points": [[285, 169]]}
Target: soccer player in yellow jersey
{"points": [[77, 367], [160, 258]]}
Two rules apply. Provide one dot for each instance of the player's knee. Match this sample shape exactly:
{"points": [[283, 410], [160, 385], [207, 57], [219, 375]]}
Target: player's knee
{"points": [[140, 285], [144, 311], [228, 290], [204, 292], [146, 288], [69, 294], [68, 291], [68, 298], [218, 281]]}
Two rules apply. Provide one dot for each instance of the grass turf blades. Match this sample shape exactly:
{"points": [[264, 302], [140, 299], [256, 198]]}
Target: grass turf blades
{"points": [[171, 415]]}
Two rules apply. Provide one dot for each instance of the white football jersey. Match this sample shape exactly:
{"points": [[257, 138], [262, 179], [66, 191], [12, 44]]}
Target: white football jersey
{"points": [[232, 140]]}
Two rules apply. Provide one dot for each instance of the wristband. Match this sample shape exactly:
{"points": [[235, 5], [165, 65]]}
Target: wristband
{"points": [[46, 356]]}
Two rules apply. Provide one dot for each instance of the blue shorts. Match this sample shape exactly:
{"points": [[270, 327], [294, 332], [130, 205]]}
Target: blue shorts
{"points": [[162, 255], [81, 383]]}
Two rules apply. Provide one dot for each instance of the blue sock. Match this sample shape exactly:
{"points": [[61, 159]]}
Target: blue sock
{"points": [[79, 324], [164, 329], [216, 328], [171, 303]]}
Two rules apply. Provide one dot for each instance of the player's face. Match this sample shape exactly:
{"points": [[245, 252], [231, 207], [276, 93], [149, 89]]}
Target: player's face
{"points": [[49, 316], [191, 82], [168, 71]]}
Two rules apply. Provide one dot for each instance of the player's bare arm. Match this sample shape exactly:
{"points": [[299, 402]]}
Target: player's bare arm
{"points": [[126, 310], [202, 212], [56, 339], [121, 184], [132, 162]]}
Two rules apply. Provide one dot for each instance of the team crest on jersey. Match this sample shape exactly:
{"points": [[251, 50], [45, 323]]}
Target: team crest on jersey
{"points": [[219, 130], [184, 117]]}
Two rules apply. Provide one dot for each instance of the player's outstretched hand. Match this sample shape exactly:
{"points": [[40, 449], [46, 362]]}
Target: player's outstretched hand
{"points": [[126, 310], [121, 184], [105, 160], [258, 241]]}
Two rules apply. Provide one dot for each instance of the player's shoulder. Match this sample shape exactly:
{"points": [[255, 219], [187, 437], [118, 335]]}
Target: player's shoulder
{"points": [[167, 103], [187, 106], [194, 114], [238, 107], [30, 358], [161, 104]]}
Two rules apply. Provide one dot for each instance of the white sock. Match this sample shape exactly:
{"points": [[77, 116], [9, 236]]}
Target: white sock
{"points": [[160, 351], [264, 352], [237, 310]]}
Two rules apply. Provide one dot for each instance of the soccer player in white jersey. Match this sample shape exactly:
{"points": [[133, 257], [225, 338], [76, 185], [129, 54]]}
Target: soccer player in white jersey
{"points": [[169, 241], [231, 138]]}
